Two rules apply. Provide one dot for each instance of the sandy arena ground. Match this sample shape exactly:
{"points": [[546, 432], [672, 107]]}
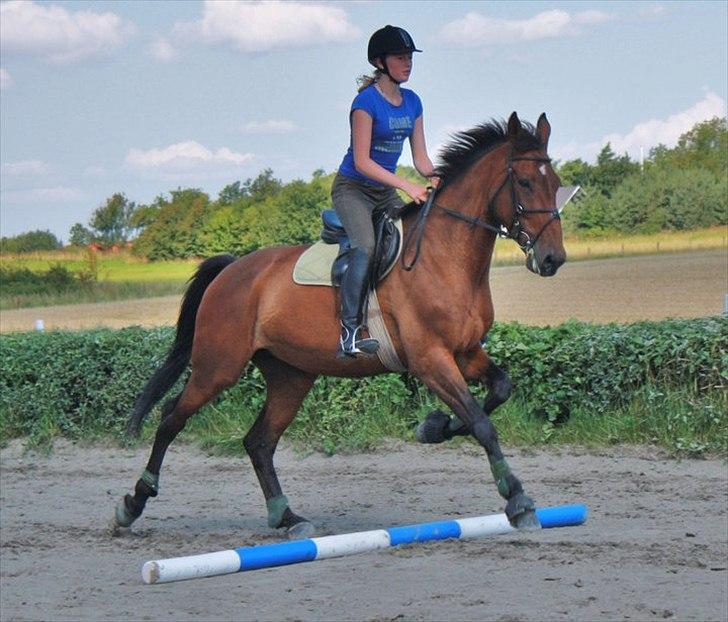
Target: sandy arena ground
{"points": [[624, 289], [654, 547]]}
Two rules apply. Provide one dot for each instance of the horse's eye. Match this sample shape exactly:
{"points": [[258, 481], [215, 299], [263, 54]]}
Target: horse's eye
{"points": [[525, 183]]}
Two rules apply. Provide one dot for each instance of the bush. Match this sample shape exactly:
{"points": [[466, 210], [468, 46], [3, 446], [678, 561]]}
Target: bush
{"points": [[30, 242], [600, 366], [81, 384], [21, 281]]}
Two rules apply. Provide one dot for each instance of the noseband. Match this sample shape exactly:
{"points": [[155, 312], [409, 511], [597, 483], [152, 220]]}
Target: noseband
{"points": [[515, 231]]}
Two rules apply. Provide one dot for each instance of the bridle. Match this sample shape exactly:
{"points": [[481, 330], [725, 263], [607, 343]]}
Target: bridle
{"points": [[514, 232]]}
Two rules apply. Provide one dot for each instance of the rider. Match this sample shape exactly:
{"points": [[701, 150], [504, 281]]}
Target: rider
{"points": [[382, 115]]}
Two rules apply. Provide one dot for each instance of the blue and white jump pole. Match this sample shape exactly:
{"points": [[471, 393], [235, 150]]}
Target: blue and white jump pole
{"points": [[297, 551]]}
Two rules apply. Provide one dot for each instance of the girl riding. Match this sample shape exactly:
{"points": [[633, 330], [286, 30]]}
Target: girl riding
{"points": [[382, 115]]}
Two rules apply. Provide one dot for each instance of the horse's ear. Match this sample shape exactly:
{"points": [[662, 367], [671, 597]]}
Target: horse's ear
{"points": [[543, 130], [514, 124]]}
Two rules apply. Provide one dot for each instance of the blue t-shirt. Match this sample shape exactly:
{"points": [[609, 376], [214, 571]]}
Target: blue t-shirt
{"points": [[390, 126]]}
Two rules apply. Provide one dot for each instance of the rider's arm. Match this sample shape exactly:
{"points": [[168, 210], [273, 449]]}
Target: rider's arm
{"points": [[421, 160], [361, 136]]}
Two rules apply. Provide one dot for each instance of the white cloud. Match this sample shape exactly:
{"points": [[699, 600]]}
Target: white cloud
{"points": [[185, 160], [54, 194], [272, 126], [25, 168], [6, 80], [163, 51], [58, 35], [650, 133], [269, 25], [476, 29]]}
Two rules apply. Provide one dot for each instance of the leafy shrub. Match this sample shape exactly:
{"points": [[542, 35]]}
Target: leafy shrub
{"points": [[599, 366], [29, 242], [58, 278], [80, 384]]}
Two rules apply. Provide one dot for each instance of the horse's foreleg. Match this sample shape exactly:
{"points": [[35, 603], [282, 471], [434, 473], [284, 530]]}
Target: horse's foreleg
{"points": [[476, 365], [287, 386], [441, 373]]}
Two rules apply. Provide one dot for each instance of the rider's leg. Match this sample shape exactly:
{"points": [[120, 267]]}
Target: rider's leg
{"points": [[354, 288], [354, 203]]}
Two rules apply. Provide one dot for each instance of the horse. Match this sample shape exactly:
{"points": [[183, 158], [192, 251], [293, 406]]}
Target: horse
{"points": [[496, 179]]}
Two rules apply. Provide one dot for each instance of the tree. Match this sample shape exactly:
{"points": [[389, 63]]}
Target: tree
{"points": [[112, 222], [80, 235], [610, 170], [29, 242], [145, 215], [262, 187], [576, 173], [704, 146], [230, 194], [177, 227]]}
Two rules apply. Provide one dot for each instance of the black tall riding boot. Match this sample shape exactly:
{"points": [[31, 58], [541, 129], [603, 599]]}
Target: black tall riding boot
{"points": [[354, 286]]}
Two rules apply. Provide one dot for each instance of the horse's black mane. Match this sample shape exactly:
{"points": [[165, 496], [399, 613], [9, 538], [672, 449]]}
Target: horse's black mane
{"points": [[470, 145]]}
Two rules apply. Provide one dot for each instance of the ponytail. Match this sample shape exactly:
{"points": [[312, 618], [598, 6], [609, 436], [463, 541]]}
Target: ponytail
{"points": [[365, 81]]}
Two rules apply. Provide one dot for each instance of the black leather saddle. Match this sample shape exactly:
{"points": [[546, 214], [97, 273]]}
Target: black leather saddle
{"points": [[385, 250]]}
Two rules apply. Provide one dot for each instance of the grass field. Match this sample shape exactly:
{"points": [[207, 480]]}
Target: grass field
{"points": [[114, 268], [583, 248], [621, 289], [122, 276]]}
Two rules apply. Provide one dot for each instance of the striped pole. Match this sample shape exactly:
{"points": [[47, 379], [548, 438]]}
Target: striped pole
{"points": [[297, 551]]}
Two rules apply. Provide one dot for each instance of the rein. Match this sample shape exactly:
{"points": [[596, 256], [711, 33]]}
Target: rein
{"points": [[417, 231], [515, 232]]}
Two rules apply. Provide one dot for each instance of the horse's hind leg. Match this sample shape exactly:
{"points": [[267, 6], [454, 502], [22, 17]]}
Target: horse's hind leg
{"points": [[439, 426], [204, 384], [287, 387]]}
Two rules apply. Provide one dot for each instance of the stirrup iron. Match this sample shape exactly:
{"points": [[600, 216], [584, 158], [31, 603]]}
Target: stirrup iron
{"points": [[351, 344]]}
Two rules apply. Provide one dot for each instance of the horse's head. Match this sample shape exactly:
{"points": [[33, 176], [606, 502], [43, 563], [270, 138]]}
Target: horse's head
{"points": [[525, 203]]}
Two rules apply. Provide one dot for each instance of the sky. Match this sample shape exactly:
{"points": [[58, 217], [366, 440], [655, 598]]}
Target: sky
{"points": [[147, 97]]}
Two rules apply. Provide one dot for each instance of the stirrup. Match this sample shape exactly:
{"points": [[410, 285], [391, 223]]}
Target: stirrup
{"points": [[351, 345]]}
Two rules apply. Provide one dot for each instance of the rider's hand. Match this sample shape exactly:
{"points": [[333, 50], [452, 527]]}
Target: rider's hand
{"points": [[418, 193]]}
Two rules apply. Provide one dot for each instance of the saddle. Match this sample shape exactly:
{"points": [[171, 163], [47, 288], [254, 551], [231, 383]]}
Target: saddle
{"points": [[386, 248]]}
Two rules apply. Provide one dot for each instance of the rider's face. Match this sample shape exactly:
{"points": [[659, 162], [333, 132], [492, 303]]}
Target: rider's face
{"points": [[400, 66]]}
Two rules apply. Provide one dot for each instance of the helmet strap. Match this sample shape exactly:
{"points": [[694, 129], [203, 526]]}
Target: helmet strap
{"points": [[385, 71]]}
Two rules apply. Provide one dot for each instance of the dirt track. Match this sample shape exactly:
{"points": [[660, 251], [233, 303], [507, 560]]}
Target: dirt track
{"points": [[654, 546], [625, 289]]}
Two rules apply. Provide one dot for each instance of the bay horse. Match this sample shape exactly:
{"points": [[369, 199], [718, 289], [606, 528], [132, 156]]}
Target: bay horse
{"points": [[495, 179]]}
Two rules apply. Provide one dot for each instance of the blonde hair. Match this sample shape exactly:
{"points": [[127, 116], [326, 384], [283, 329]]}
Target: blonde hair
{"points": [[365, 81]]}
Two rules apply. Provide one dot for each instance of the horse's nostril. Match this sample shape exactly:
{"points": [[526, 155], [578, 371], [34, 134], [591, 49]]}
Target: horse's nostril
{"points": [[549, 266]]}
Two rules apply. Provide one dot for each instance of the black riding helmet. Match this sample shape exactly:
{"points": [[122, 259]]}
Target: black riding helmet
{"points": [[389, 40]]}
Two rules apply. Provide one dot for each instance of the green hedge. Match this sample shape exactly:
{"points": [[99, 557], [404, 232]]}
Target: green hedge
{"points": [[82, 384]]}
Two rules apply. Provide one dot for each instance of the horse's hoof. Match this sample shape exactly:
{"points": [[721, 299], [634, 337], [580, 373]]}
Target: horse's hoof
{"points": [[432, 429], [521, 512], [117, 531], [301, 531], [122, 516], [528, 521]]}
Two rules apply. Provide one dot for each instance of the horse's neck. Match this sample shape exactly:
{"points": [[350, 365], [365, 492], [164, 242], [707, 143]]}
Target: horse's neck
{"points": [[458, 252]]}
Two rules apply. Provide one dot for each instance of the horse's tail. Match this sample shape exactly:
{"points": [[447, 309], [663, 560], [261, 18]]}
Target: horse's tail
{"points": [[181, 350]]}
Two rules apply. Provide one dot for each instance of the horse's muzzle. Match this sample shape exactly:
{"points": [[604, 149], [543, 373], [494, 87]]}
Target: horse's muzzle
{"points": [[546, 265]]}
